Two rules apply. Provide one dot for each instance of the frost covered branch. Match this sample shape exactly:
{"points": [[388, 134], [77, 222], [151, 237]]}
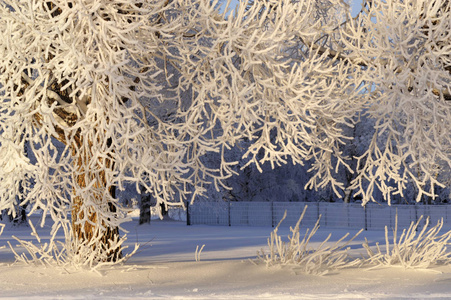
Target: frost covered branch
{"points": [[198, 252]]}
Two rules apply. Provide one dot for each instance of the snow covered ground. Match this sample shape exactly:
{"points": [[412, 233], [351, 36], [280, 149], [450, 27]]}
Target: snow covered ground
{"points": [[165, 268]]}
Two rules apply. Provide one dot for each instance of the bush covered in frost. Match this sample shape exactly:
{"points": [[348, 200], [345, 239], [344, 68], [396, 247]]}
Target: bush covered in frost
{"points": [[297, 252], [414, 249], [71, 253]]}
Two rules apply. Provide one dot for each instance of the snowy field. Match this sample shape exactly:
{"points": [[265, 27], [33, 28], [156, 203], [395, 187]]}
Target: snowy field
{"points": [[165, 268]]}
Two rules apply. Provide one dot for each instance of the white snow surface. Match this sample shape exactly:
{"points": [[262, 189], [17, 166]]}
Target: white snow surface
{"points": [[165, 268]]}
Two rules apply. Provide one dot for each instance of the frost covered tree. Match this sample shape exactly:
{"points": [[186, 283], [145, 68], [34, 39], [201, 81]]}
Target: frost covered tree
{"points": [[404, 49], [141, 91], [109, 92]]}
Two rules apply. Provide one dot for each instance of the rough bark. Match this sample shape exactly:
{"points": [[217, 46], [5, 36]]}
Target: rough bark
{"points": [[86, 224]]}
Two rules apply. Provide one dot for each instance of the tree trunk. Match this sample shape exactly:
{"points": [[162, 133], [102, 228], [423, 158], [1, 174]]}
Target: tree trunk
{"points": [[144, 209], [21, 215], [347, 196], [88, 228], [163, 210]]}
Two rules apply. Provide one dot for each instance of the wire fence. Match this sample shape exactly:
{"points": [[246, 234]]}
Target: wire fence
{"points": [[337, 215]]}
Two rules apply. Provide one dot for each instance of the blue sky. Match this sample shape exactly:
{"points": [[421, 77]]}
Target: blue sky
{"points": [[355, 4]]}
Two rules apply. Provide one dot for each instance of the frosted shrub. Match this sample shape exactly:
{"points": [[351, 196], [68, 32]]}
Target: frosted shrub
{"points": [[414, 249], [70, 253], [296, 252]]}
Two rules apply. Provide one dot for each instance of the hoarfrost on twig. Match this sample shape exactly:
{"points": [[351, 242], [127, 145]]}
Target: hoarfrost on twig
{"points": [[198, 252]]}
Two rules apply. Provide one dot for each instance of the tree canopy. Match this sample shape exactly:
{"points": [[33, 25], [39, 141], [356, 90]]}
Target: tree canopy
{"points": [[143, 91]]}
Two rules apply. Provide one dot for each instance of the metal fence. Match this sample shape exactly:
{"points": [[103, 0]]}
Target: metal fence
{"points": [[337, 215]]}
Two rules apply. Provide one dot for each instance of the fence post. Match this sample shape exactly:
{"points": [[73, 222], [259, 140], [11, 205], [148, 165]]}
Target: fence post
{"points": [[326, 212], [390, 209], [230, 223], [317, 211], [366, 218], [272, 213], [446, 215], [416, 215], [188, 219], [348, 215]]}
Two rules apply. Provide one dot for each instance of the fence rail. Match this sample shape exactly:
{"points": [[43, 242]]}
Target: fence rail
{"points": [[337, 215]]}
